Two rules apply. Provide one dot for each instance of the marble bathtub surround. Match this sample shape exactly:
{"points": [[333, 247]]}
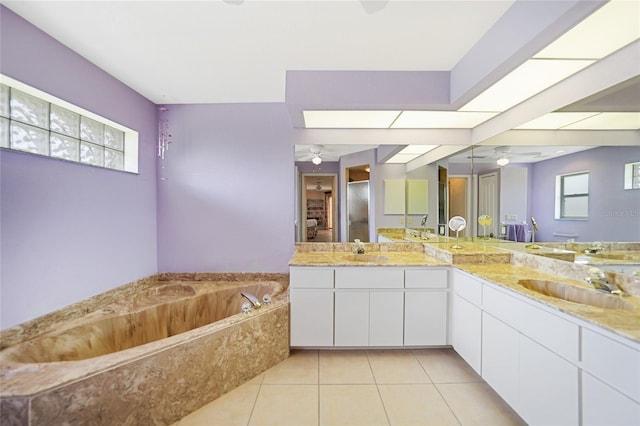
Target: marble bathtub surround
{"points": [[52, 320], [153, 383]]}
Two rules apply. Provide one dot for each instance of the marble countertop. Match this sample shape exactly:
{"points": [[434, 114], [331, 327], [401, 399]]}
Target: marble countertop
{"points": [[624, 322], [379, 258]]}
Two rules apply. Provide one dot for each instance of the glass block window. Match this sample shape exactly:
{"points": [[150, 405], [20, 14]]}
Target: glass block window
{"points": [[40, 124], [572, 196]]}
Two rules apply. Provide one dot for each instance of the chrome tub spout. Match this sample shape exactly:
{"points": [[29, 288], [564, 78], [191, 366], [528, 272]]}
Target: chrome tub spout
{"points": [[251, 298]]}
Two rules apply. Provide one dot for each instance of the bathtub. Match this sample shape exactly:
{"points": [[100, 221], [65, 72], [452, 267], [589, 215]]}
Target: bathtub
{"points": [[151, 358]]}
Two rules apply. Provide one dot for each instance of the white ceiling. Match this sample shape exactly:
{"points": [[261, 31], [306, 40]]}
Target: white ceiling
{"points": [[239, 51]]}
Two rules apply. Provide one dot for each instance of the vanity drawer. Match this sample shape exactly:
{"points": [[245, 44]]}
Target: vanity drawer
{"points": [[311, 277], [369, 278], [467, 287], [426, 278]]}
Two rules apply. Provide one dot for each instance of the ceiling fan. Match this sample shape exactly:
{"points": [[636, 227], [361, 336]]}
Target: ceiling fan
{"points": [[315, 154], [504, 154]]}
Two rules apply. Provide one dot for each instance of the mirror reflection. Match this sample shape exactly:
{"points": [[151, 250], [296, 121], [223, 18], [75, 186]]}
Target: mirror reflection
{"points": [[498, 201]]}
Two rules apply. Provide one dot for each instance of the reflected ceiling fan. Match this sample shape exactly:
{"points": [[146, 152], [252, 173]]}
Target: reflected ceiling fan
{"points": [[315, 154], [504, 154]]}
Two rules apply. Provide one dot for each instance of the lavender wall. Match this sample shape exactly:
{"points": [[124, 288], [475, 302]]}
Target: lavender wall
{"points": [[614, 214], [70, 231], [227, 199]]}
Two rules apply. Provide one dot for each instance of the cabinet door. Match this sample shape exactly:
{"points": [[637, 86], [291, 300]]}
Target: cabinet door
{"points": [[351, 318], [466, 331], [603, 405], [500, 358], [548, 386], [385, 318], [425, 318], [311, 317]]}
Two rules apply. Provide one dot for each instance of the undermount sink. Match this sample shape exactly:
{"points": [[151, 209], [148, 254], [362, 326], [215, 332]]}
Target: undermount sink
{"points": [[571, 293], [367, 258]]}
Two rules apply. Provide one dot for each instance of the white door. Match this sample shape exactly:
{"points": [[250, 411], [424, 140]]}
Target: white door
{"points": [[488, 201]]}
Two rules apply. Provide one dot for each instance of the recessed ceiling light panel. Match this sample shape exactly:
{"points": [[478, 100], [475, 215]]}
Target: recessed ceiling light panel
{"points": [[609, 121], [441, 119], [528, 79], [555, 120], [609, 28], [349, 119]]}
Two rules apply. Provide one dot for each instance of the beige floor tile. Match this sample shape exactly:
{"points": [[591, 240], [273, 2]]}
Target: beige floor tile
{"points": [[256, 380], [351, 405], [231, 409], [300, 368], [295, 405], [477, 404], [344, 367], [446, 366], [419, 404], [396, 367]]}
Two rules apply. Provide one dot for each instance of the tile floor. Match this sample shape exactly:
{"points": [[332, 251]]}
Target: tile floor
{"points": [[373, 387]]}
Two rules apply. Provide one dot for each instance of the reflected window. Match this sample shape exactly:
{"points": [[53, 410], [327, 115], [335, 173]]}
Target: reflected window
{"points": [[572, 196], [632, 176]]}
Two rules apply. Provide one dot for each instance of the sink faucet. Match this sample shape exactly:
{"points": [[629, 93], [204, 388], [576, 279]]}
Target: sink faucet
{"points": [[251, 298], [359, 247], [594, 247], [423, 224], [598, 280]]}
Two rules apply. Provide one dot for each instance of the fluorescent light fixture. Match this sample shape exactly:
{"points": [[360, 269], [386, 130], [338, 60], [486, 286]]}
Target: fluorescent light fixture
{"points": [[349, 119], [609, 28], [440, 119], [409, 153], [530, 78], [608, 121], [555, 120]]}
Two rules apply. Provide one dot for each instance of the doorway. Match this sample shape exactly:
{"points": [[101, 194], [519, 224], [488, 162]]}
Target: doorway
{"points": [[488, 200], [460, 201], [358, 203], [319, 213]]}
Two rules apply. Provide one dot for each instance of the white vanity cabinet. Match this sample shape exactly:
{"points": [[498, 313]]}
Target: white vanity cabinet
{"points": [[500, 358], [369, 306], [550, 367], [426, 307], [610, 378], [466, 319], [311, 307]]}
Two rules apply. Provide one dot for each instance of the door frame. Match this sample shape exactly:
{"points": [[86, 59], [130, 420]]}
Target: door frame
{"points": [[471, 207], [303, 204]]}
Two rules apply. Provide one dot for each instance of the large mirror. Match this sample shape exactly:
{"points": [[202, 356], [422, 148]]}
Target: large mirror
{"points": [[471, 183], [579, 182]]}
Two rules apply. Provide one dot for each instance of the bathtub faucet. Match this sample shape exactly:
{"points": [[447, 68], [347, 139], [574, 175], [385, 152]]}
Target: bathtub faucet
{"points": [[251, 298]]}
